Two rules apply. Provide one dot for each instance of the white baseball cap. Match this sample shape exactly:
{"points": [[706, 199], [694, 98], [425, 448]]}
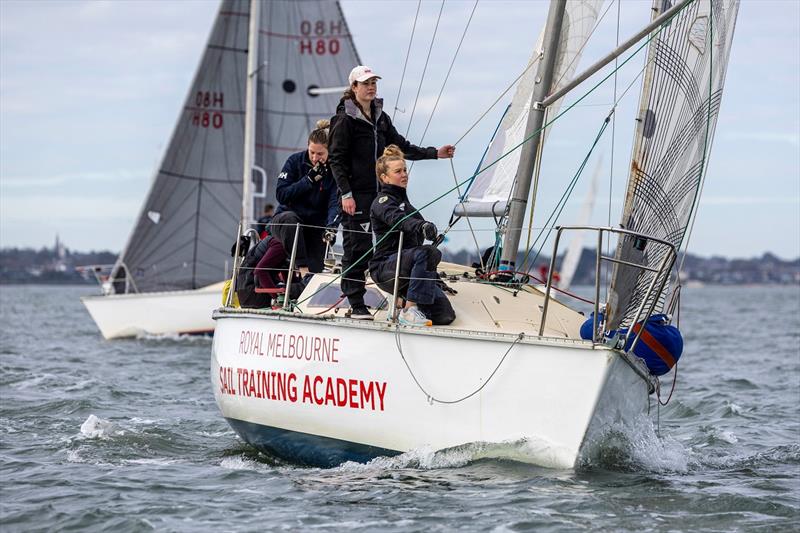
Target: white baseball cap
{"points": [[361, 73]]}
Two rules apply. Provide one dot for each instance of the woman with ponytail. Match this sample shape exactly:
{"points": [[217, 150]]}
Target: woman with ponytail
{"points": [[359, 134], [392, 213], [308, 196]]}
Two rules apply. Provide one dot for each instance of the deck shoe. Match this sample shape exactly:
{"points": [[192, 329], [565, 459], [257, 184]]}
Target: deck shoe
{"points": [[360, 312], [414, 317]]}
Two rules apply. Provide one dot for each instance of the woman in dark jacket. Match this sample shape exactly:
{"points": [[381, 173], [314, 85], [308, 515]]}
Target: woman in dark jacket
{"points": [[359, 132], [425, 302], [308, 196]]}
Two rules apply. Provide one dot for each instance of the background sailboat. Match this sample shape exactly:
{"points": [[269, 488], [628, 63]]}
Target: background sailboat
{"points": [[168, 277]]}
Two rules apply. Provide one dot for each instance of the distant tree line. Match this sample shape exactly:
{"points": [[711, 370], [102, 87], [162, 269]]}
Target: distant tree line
{"points": [[48, 265]]}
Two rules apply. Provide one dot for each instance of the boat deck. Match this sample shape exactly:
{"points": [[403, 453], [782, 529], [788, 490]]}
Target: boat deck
{"points": [[480, 307]]}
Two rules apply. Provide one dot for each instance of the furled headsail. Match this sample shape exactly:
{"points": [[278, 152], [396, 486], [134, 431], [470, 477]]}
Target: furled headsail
{"points": [[182, 236], [490, 191], [678, 110]]}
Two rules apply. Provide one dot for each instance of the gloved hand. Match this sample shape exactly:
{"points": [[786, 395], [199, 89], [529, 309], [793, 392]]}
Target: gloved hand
{"points": [[317, 173], [429, 231], [329, 237]]}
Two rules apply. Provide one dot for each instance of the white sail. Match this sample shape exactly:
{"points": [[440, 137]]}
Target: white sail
{"points": [[678, 110], [493, 187], [575, 248]]}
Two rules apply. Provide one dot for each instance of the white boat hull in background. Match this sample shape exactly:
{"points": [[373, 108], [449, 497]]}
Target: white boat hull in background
{"points": [[155, 313], [347, 393]]}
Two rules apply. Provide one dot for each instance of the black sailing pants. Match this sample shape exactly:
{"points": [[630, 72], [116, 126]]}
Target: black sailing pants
{"points": [[357, 242]]}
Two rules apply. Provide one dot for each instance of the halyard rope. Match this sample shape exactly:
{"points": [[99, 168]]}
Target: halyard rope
{"points": [[425, 68], [405, 64]]}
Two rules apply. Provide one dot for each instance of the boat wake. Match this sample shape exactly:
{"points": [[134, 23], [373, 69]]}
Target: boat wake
{"points": [[182, 338]]}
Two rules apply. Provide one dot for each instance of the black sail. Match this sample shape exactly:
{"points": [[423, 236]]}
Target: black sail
{"points": [[183, 234]]}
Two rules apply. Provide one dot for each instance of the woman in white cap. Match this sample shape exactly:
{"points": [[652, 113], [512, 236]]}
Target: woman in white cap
{"points": [[359, 133]]}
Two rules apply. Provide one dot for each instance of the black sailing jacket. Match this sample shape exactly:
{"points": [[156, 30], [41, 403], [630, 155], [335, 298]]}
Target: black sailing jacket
{"points": [[356, 143], [315, 203], [390, 206]]}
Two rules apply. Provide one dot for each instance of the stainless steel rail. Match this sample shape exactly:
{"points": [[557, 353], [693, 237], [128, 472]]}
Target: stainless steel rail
{"points": [[661, 273]]}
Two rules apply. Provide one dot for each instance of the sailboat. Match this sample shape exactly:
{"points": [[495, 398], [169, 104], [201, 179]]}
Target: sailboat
{"points": [[168, 278], [512, 373]]}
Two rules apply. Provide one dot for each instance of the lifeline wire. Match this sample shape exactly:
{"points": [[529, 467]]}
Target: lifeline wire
{"points": [[430, 397]]}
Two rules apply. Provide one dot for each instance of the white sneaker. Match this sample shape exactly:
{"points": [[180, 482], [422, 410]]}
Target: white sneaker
{"points": [[413, 317]]}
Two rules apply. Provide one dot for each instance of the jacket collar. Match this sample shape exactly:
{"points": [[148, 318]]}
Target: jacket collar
{"points": [[306, 159], [394, 190], [352, 110]]}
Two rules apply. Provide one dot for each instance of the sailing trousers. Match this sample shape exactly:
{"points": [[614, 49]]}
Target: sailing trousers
{"points": [[419, 281], [310, 246], [357, 242]]}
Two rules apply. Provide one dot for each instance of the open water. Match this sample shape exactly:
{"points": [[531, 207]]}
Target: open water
{"points": [[125, 436]]}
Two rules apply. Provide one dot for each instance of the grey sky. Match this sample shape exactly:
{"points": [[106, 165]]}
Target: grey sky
{"points": [[89, 92]]}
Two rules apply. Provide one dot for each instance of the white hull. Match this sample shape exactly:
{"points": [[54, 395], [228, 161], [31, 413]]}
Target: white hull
{"points": [[554, 393], [156, 313]]}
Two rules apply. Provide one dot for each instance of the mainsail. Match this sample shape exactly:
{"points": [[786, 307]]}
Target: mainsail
{"points": [[678, 111], [491, 190], [182, 237], [307, 46]]}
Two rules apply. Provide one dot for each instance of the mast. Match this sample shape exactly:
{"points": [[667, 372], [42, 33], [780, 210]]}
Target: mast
{"points": [[250, 113], [522, 187]]}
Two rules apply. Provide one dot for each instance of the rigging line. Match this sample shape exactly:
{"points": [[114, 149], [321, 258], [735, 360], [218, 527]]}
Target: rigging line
{"points": [[408, 54], [466, 215], [536, 60], [511, 85], [562, 202], [432, 398], [611, 169], [490, 165], [537, 169], [447, 76], [425, 68]]}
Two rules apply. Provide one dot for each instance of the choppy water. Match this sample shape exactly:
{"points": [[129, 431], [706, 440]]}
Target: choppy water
{"points": [[125, 435]]}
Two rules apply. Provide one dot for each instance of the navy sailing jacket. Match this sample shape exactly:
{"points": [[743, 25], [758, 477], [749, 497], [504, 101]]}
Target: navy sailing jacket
{"points": [[391, 205], [316, 203], [356, 143]]}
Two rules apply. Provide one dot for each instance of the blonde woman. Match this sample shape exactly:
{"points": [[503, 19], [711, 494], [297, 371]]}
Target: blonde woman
{"points": [[425, 302]]}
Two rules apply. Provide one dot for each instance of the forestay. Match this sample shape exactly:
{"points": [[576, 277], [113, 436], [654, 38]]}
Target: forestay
{"points": [[678, 112], [182, 237], [490, 191]]}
